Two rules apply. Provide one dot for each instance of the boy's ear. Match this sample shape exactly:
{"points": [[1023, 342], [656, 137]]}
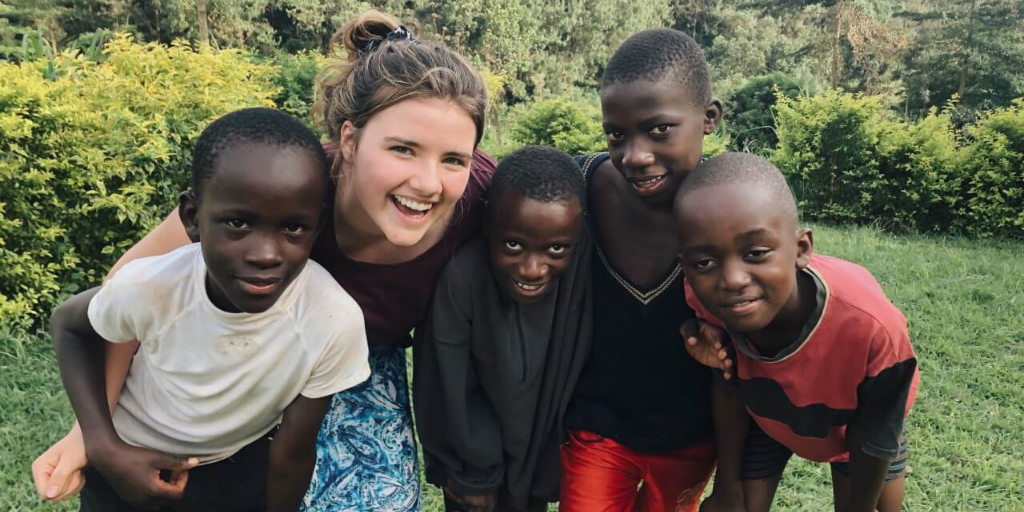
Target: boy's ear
{"points": [[712, 116], [188, 212], [804, 248], [347, 141]]}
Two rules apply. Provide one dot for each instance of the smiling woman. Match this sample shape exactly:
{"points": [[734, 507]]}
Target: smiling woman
{"points": [[403, 117]]}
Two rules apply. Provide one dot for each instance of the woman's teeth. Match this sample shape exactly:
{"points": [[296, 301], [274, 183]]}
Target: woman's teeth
{"points": [[413, 205]]}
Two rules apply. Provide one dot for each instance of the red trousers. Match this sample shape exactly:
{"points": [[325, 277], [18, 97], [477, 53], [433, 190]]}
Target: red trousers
{"points": [[601, 475]]}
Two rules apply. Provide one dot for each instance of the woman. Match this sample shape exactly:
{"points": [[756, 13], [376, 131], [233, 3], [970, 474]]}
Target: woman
{"points": [[404, 118]]}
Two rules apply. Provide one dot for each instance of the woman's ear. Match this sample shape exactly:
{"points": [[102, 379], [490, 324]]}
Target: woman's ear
{"points": [[188, 212], [347, 141], [804, 248]]}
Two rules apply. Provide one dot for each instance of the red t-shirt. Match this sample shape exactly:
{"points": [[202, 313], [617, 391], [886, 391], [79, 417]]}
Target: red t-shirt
{"points": [[854, 367], [394, 298]]}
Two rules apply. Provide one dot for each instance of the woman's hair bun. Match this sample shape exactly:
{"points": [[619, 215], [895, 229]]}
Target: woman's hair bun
{"points": [[359, 33]]}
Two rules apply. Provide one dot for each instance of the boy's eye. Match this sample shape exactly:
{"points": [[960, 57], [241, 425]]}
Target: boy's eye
{"points": [[237, 224], [614, 136], [703, 264], [513, 245], [294, 228], [757, 254], [661, 129], [557, 249]]}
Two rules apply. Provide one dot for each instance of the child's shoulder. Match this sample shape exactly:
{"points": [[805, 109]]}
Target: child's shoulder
{"points": [[159, 273], [857, 298]]}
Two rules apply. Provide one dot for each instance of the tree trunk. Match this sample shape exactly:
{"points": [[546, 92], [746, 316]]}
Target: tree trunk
{"points": [[204, 30], [965, 58]]}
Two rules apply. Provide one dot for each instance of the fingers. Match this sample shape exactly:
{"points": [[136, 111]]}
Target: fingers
{"points": [[42, 469], [689, 331], [175, 463], [72, 488], [172, 489]]}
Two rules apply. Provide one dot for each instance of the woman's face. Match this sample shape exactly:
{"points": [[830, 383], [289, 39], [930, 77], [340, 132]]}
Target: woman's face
{"points": [[406, 168]]}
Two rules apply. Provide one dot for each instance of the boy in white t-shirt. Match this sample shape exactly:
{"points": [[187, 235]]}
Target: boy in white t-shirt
{"points": [[238, 335]]}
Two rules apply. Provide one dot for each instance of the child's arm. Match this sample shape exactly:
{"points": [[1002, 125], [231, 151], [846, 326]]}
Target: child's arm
{"points": [[133, 472], [293, 453], [731, 424], [457, 424], [867, 474], [58, 471]]}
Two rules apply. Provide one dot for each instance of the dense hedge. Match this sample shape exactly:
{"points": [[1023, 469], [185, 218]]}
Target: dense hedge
{"points": [[849, 160], [92, 155]]}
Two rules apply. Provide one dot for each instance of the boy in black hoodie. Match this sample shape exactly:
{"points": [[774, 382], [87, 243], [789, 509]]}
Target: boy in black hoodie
{"points": [[498, 356]]}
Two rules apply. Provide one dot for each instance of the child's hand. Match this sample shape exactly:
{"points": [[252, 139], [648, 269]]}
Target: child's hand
{"points": [[720, 503], [473, 502], [58, 471], [134, 473], [706, 343]]}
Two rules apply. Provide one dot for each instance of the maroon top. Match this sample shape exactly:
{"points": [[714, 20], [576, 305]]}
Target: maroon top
{"points": [[395, 297]]}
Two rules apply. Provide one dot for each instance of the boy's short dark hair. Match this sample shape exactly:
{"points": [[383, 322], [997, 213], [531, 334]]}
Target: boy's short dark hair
{"points": [[745, 168], [541, 173], [253, 125], [661, 54]]}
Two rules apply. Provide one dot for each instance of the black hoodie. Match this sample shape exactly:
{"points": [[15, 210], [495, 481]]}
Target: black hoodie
{"points": [[492, 379]]}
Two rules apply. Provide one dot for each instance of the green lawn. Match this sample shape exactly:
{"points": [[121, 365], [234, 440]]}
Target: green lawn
{"points": [[965, 304]]}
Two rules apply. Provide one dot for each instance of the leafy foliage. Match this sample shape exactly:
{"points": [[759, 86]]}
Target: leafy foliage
{"points": [[92, 158]]}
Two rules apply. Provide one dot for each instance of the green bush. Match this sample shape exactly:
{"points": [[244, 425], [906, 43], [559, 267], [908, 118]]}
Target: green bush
{"points": [[572, 126], [750, 109], [994, 161], [829, 150], [849, 161], [295, 80], [93, 155]]}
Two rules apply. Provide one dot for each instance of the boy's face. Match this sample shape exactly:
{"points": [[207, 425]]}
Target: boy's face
{"points": [[741, 253], [257, 218], [531, 244], [655, 134]]}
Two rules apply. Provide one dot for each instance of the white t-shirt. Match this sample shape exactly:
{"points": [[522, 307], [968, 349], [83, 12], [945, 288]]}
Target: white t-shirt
{"points": [[205, 382]]}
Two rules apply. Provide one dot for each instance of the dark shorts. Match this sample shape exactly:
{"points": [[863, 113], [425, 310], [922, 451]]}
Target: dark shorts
{"points": [[237, 483], [764, 457]]}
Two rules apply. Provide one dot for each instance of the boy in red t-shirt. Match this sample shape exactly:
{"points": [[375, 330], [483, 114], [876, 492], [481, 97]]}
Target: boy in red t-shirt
{"points": [[824, 364]]}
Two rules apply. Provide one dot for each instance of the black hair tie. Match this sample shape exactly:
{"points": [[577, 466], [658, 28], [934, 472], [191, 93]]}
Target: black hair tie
{"points": [[399, 34]]}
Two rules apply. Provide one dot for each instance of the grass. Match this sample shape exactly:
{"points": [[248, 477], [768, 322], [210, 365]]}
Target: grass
{"points": [[965, 304]]}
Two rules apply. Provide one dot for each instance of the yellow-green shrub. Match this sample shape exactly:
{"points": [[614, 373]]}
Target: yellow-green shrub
{"points": [[94, 156]]}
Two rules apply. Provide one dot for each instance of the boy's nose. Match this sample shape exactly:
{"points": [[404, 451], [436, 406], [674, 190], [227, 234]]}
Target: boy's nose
{"points": [[533, 269], [264, 253], [637, 155], [735, 277]]}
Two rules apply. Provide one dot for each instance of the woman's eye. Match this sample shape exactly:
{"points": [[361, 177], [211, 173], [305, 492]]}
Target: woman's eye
{"points": [[557, 249], [661, 129], [237, 224], [515, 246], [454, 161], [294, 229], [402, 150]]}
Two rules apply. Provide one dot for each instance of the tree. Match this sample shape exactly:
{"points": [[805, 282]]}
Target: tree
{"points": [[973, 49]]}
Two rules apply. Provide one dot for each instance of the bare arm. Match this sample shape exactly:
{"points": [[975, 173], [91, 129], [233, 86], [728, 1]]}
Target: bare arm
{"points": [[731, 425], [57, 472], [293, 453], [867, 475], [133, 472]]}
